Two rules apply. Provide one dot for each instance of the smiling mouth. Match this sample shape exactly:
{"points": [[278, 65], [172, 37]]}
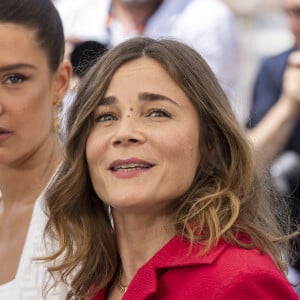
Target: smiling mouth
{"points": [[131, 167]]}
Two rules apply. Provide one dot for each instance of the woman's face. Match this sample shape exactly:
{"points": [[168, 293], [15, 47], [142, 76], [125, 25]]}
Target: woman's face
{"points": [[143, 151], [27, 94]]}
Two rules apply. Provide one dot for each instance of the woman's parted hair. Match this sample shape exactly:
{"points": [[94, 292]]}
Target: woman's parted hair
{"points": [[42, 17], [226, 197]]}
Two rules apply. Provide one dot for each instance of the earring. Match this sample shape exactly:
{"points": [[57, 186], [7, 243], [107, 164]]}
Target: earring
{"points": [[56, 119]]}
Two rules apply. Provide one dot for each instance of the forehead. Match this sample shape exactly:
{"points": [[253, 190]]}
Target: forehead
{"points": [[143, 75], [16, 29], [146, 76], [139, 65], [18, 43], [147, 71]]}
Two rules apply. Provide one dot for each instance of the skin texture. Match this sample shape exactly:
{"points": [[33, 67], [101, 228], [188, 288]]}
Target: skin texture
{"points": [[163, 133], [27, 95], [29, 149]]}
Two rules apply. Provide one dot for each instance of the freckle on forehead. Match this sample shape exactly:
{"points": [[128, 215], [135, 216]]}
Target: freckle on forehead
{"points": [[131, 109]]}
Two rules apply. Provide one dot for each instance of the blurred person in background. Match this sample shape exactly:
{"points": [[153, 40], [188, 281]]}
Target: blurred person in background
{"points": [[206, 25], [34, 78], [274, 120]]}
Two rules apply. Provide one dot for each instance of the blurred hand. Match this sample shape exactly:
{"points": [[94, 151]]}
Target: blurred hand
{"points": [[294, 59]]}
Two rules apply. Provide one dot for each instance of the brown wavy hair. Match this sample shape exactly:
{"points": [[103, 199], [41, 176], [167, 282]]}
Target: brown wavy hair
{"points": [[226, 198]]}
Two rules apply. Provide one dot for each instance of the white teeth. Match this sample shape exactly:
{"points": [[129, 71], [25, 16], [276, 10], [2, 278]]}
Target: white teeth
{"points": [[129, 167]]}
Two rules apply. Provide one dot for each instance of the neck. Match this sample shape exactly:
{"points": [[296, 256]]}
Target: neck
{"points": [[133, 17], [26, 179], [139, 238]]}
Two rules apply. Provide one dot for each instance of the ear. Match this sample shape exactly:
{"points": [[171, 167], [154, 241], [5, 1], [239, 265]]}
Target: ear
{"points": [[61, 81]]}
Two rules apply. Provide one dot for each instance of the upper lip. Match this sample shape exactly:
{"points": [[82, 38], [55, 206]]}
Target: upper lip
{"points": [[131, 162], [4, 130]]}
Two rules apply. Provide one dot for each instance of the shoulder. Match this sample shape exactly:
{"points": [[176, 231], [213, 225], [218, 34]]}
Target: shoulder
{"points": [[215, 7], [250, 274], [226, 261], [208, 26], [84, 19], [230, 273], [226, 272], [276, 62], [236, 260], [196, 13], [208, 11], [282, 55]]}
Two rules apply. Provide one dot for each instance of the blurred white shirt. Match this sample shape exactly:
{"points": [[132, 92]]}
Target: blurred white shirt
{"points": [[206, 25]]}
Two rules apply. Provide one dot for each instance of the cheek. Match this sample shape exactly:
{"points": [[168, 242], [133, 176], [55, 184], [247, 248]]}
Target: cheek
{"points": [[35, 114], [95, 150], [91, 150], [95, 155], [182, 147], [190, 152], [92, 156], [39, 98], [182, 160]]}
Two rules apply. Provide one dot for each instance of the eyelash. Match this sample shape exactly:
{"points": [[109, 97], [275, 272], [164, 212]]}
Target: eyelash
{"points": [[14, 78], [164, 114], [105, 114]]}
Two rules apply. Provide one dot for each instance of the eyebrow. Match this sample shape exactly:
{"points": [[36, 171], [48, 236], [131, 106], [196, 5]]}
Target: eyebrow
{"points": [[110, 100], [16, 66], [155, 97]]}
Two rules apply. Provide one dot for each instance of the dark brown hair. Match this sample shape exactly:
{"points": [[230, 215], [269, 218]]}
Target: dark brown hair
{"points": [[43, 18]]}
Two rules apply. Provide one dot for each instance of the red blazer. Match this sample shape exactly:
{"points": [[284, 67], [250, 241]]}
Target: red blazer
{"points": [[225, 273]]}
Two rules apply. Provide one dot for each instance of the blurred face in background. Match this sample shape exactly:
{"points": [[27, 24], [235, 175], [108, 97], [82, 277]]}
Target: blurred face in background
{"points": [[292, 9]]}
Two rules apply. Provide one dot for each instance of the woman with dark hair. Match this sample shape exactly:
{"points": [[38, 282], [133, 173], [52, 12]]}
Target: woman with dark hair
{"points": [[158, 197], [34, 79]]}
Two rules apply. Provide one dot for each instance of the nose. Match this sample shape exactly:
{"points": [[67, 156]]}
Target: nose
{"points": [[128, 132]]}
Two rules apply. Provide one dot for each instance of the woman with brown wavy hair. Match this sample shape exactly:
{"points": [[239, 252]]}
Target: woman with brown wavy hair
{"points": [[33, 80], [158, 197]]}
